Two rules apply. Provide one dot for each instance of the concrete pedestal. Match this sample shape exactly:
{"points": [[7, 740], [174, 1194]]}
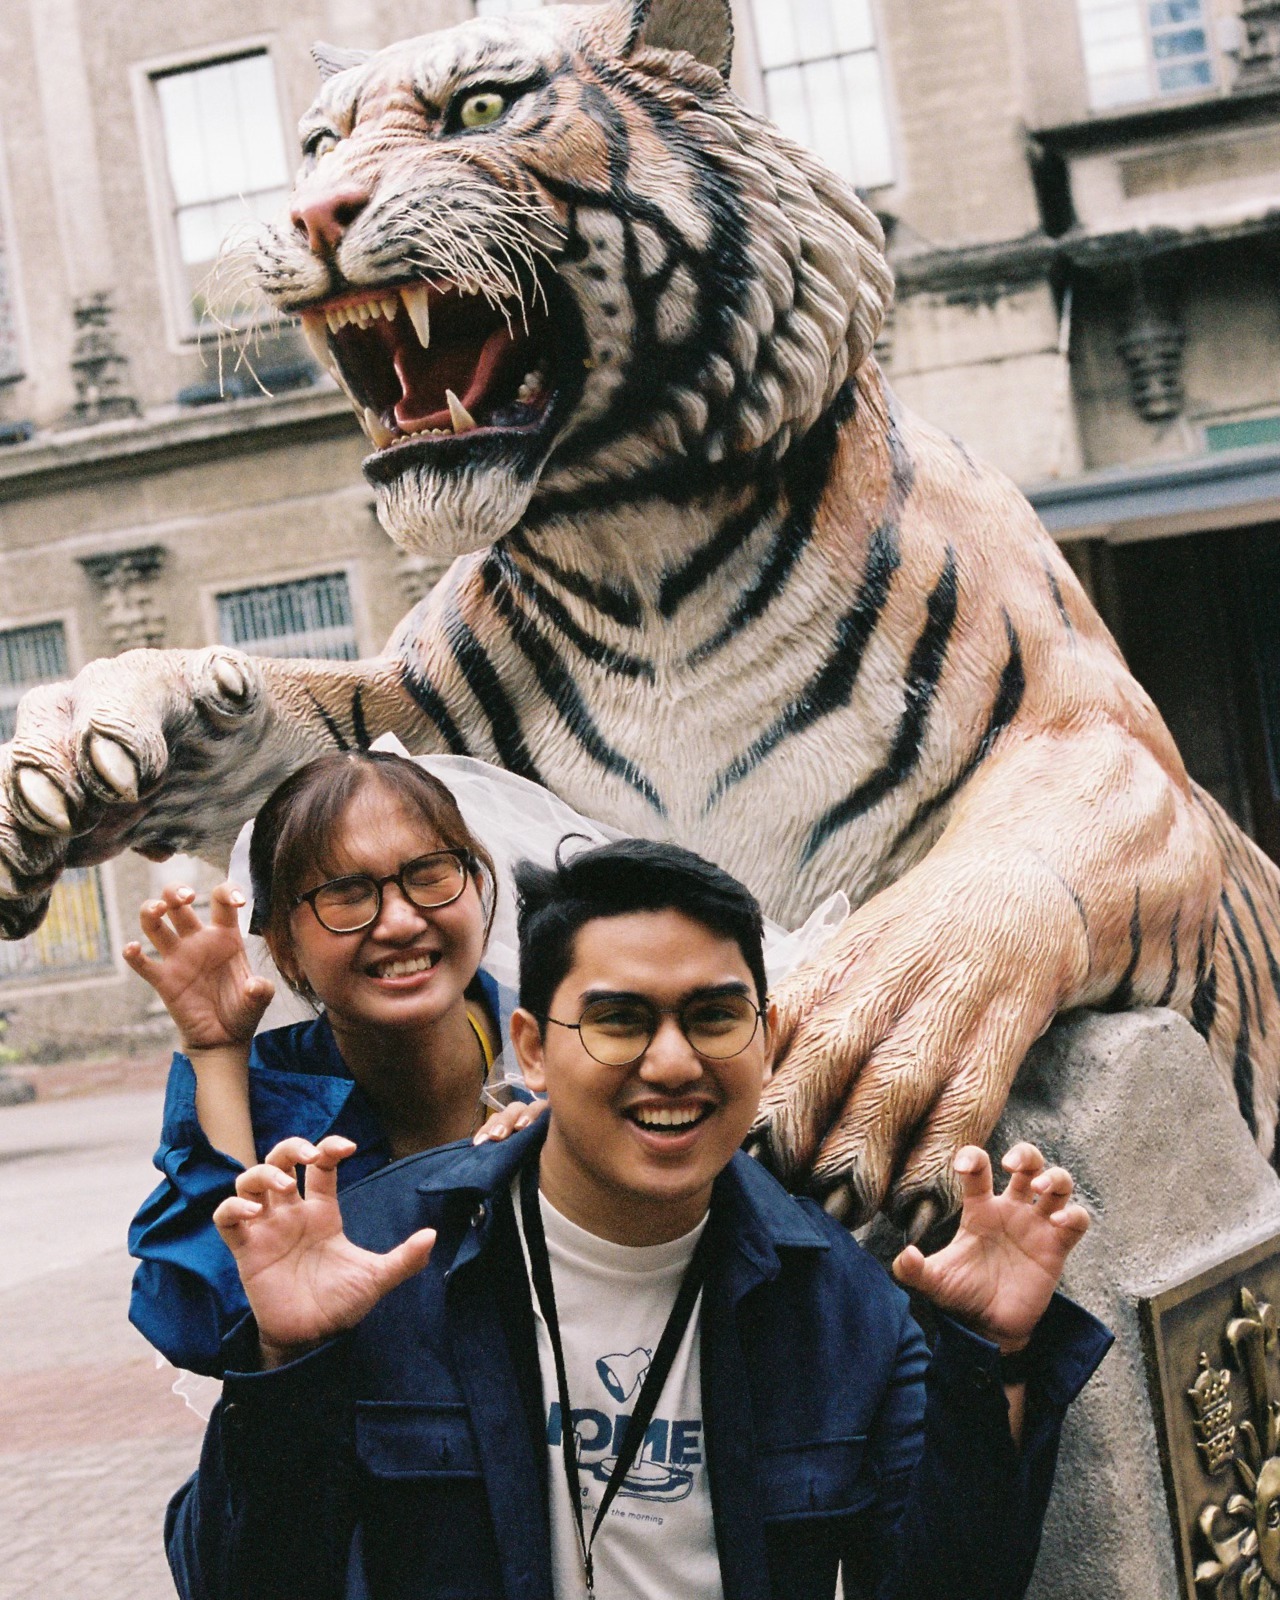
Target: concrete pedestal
{"points": [[1134, 1107]]}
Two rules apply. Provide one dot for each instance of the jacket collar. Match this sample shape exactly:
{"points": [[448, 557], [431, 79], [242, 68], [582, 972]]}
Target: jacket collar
{"points": [[762, 1217]]}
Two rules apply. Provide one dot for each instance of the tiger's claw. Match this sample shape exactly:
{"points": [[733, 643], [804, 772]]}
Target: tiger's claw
{"points": [[45, 800], [115, 766]]}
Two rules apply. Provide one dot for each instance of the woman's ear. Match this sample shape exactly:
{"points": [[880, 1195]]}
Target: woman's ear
{"points": [[281, 952], [526, 1041]]}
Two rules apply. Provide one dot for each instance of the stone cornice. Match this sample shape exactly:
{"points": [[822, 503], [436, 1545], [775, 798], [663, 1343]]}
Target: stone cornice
{"points": [[159, 442], [983, 272], [1146, 122]]}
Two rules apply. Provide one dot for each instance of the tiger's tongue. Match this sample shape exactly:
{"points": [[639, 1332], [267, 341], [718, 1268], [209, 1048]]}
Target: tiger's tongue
{"points": [[468, 367]]}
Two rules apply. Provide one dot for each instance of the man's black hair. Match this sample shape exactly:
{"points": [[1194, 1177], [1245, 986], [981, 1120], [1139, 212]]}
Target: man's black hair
{"points": [[615, 880]]}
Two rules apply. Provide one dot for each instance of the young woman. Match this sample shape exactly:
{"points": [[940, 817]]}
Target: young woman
{"points": [[375, 900]]}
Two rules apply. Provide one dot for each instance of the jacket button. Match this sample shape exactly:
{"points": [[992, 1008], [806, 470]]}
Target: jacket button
{"points": [[231, 1418], [478, 1216]]}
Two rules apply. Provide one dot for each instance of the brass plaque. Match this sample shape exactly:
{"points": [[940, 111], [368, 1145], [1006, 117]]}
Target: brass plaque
{"points": [[1214, 1362]]}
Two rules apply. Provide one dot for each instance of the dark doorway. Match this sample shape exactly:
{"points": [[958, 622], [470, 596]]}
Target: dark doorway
{"points": [[1198, 618]]}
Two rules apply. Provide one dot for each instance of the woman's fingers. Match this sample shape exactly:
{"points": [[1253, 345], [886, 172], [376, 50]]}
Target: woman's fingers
{"points": [[225, 903], [179, 899], [152, 921], [519, 1114], [137, 960]]}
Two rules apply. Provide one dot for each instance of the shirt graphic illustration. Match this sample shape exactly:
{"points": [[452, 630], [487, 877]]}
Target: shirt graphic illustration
{"points": [[663, 1470]]}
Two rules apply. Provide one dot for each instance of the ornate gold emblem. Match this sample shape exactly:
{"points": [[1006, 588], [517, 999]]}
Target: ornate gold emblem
{"points": [[1243, 1533]]}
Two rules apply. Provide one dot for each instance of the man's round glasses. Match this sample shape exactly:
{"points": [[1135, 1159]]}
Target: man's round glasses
{"points": [[345, 905], [617, 1032]]}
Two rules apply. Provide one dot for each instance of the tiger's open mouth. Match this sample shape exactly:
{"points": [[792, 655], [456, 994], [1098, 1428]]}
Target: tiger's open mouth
{"points": [[428, 363]]}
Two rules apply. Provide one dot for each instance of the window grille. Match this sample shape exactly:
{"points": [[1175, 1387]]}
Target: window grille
{"points": [[225, 153], [28, 656], [74, 936], [823, 83], [309, 617], [1138, 50]]}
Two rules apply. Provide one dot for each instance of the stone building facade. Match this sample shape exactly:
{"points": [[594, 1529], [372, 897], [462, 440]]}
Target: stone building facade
{"points": [[1083, 204]]}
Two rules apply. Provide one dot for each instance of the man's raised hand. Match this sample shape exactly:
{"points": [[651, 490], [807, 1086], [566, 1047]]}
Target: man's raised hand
{"points": [[999, 1272], [201, 970], [304, 1279]]}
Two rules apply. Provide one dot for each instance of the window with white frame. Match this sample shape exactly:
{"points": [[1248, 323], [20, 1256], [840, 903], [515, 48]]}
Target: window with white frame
{"points": [[1138, 50], [823, 83], [74, 935], [225, 159], [308, 617]]}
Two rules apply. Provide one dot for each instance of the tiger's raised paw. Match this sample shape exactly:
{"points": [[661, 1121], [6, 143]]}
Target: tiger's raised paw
{"points": [[899, 1045], [91, 765]]}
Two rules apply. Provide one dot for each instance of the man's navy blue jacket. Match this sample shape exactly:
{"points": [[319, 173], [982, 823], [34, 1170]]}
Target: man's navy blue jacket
{"points": [[407, 1459]]}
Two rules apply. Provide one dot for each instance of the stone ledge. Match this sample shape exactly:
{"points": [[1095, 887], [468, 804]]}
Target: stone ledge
{"points": [[160, 441]]}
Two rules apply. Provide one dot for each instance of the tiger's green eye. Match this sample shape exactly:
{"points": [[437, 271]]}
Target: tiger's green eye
{"points": [[479, 110]]}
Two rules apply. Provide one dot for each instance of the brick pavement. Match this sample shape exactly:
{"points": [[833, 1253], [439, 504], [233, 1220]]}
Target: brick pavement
{"points": [[92, 1440]]}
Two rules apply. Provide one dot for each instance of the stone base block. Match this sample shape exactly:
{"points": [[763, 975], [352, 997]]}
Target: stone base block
{"points": [[1134, 1107]]}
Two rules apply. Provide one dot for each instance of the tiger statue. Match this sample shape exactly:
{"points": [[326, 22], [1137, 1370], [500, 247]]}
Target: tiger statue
{"points": [[610, 335]]}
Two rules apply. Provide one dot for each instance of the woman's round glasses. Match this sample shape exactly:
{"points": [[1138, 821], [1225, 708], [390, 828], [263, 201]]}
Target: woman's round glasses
{"points": [[345, 905], [616, 1032]]}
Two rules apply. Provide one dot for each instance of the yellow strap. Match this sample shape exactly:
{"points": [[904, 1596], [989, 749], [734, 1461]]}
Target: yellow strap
{"points": [[477, 1017]]}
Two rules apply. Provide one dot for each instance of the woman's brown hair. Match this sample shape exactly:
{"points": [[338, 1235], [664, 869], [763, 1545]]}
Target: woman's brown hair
{"points": [[296, 831]]}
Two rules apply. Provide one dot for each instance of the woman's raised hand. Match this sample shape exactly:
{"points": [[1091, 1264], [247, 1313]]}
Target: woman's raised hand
{"points": [[304, 1279], [202, 972]]}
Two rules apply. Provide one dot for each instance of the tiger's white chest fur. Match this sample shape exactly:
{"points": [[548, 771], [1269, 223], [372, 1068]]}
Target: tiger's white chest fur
{"points": [[692, 721]]}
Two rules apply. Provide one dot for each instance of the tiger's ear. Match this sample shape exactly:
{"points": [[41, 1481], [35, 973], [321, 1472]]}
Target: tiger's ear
{"points": [[332, 59], [702, 27]]}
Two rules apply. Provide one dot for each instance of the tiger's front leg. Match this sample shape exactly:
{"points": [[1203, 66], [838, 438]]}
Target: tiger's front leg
{"points": [[166, 751], [1074, 871]]}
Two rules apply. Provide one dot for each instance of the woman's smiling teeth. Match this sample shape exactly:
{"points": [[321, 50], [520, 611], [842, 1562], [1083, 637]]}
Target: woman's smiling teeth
{"points": [[667, 1116], [404, 966]]}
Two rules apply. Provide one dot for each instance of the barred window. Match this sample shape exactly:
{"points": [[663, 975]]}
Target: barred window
{"points": [[823, 83], [74, 936], [28, 656], [308, 617], [225, 155], [1138, 50]]}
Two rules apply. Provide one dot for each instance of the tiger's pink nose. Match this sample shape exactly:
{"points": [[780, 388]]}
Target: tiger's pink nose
{"points": [[323, 219]]}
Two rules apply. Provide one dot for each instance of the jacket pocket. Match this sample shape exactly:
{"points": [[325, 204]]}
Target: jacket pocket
{"points": [[825, 1478], [425, 1524], [415, 1439]]}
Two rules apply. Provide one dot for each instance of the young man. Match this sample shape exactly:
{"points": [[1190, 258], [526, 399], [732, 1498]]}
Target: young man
{"points": [[633, 1365]]}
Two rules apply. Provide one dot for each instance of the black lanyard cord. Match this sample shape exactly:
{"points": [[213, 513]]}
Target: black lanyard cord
{"points": [[650, 1389]]}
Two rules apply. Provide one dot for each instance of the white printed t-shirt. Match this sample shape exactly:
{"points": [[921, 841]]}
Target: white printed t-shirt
{"points": [[612, 1302]]}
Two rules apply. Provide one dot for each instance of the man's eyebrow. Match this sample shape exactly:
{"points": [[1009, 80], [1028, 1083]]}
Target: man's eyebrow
{"points": [[708, 991]]}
